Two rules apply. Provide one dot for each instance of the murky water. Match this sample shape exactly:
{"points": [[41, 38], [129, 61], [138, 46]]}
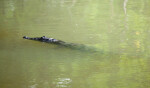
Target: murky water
{"points": [[118, 29]]}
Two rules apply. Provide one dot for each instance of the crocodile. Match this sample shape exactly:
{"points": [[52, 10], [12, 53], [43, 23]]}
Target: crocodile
{"points": [[61, 43]]}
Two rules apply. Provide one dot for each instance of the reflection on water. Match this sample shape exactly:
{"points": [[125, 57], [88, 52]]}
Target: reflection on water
{"points": [[125, 6], [117, 29], [63, 82]]}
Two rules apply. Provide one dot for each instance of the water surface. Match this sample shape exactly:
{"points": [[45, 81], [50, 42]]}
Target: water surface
{"points": [[118, 29]]}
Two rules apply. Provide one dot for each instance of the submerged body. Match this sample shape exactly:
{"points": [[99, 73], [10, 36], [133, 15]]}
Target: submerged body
{"points": [[60, 43]]}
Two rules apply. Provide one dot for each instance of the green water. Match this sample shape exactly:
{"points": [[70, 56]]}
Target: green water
{"points": [[118, 29]]}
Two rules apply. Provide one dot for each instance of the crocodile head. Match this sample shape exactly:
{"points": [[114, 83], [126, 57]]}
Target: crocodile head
{"points": [[43, 39]]}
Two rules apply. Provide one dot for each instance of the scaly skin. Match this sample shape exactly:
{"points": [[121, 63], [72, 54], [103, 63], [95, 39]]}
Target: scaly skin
{"points": [[59, 42], [45, 39]]}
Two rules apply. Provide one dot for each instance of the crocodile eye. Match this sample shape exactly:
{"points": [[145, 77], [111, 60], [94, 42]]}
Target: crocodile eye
{"points": [[42, 37]]}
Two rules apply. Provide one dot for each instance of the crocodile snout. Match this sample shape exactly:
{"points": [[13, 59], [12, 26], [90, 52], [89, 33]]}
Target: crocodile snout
{"points": [[25, 37]]}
